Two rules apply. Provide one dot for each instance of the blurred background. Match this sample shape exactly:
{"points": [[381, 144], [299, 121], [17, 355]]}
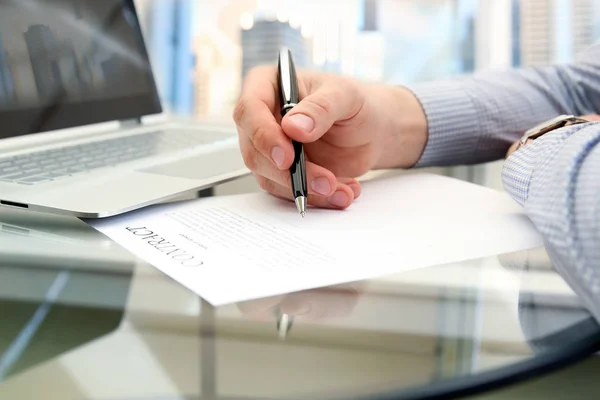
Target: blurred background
{"points": [[202, 49]]}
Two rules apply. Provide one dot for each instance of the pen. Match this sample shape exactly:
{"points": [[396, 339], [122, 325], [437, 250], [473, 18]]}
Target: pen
{"points": [[289, 96], [284, 323]]}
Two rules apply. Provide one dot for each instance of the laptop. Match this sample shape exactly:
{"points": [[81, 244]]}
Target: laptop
{"points": [[58, 243], [82, 129]]}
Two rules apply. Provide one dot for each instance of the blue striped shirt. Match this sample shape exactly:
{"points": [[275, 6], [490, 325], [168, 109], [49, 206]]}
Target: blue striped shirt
{"points": [[556, 178]]}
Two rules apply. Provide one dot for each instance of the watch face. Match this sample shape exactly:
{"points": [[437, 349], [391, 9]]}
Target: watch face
{"points": [[548, 124]]}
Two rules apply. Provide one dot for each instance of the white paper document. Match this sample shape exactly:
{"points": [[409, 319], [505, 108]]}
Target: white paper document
{"points": [[236, 248]]}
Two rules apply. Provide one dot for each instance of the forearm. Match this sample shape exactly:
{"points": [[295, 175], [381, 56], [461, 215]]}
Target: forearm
{"points": [[557, 180], [475, 119]]}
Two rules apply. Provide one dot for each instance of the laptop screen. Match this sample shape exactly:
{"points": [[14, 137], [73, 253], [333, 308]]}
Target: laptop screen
{"points": [[67, 63]]}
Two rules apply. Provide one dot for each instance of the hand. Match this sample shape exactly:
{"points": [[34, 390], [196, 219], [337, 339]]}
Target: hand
{"points": [[513, 148], [309, 305], [348, 128], [536, 259]]}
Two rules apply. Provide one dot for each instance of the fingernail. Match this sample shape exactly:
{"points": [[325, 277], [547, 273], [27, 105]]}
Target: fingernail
{"points": [[303, 122], [278, 156], [321, 185], [339, 199]]}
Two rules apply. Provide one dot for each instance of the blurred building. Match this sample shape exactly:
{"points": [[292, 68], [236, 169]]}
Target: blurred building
{"points": [[168, 27], [115, 71], [516, 33], [206, 53], [370, 56], [262, 40], [554, 30], [465, 39], [77, 10], [370, 15], [71, 70], [218, 53], [597, 20], [42, 47], [426, 39], [217, 78], [7, 88], [370, 44], [229, 16], [583, 24]]}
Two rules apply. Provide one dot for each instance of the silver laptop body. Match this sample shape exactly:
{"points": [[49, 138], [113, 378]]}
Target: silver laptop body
{"points": [[81, 126]]}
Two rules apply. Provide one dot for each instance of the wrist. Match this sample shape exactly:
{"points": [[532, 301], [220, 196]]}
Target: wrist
{"points": [[403, 131]]}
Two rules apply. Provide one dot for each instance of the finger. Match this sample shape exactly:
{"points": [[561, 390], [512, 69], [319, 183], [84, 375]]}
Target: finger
{"points": [[261, 308], [255, 117], [592, 117], [261, 84], [336, 100], [320, 181], [321, 303], [341, 198], [256, 122], [353, 184], [515, 146], [512, 149]]}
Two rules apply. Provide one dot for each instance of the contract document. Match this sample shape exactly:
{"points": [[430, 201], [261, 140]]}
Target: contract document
{"points": [[236, 248]]}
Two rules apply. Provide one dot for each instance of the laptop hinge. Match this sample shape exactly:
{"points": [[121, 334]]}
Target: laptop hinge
{"points": [[131, 123]]}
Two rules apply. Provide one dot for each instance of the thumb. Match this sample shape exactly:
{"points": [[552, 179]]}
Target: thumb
{"points": [[315, 114]]}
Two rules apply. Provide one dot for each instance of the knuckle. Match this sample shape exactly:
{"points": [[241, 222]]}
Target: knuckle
{"points": [[250, 157], [323, 104], [265, 184], [287, 179], [260, 138], [350, 86], [284, 179], [252, 72], [259, 71], [240, 109]]}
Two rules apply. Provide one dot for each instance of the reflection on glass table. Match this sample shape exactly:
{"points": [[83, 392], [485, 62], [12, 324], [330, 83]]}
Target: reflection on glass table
{"points": [[61, 286], [83, 319]]}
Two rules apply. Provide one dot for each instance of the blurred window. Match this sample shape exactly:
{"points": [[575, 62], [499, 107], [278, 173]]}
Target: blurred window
{"points": [[203, 49]]}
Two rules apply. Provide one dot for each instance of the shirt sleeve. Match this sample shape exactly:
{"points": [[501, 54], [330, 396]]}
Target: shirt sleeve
{"points": [[556, 178], [475, 119]]}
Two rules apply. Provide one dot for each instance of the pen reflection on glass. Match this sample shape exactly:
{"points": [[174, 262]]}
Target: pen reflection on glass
{"points": [[289, 96], [284, 323], [309, 305]]}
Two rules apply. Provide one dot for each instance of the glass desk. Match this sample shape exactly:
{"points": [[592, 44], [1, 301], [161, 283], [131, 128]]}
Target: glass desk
{"points": [[83, 319]]}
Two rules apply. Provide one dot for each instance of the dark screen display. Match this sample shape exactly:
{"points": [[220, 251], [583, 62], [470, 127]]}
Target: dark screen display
{"points": [[65, 63]]}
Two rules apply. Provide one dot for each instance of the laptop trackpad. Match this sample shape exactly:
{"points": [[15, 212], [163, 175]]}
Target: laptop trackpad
{"points": [[202, 166]]}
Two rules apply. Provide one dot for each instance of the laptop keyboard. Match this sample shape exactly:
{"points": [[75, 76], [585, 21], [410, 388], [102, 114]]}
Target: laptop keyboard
{"points": [[49, 165]]}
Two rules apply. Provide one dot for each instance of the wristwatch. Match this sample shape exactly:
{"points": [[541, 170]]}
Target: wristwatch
{"points": [[549, 126]]}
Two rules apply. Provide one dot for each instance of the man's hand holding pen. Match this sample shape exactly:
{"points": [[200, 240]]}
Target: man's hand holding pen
{"points": [[346, 127]]}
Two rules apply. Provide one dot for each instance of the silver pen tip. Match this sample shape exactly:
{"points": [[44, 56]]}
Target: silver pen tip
{"points": [[301, 205], [303, 214]]}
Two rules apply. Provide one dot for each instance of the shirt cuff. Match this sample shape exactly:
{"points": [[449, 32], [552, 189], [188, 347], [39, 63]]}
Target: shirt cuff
{"points": [[453, 123], [517, 171], [519, 168]]}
